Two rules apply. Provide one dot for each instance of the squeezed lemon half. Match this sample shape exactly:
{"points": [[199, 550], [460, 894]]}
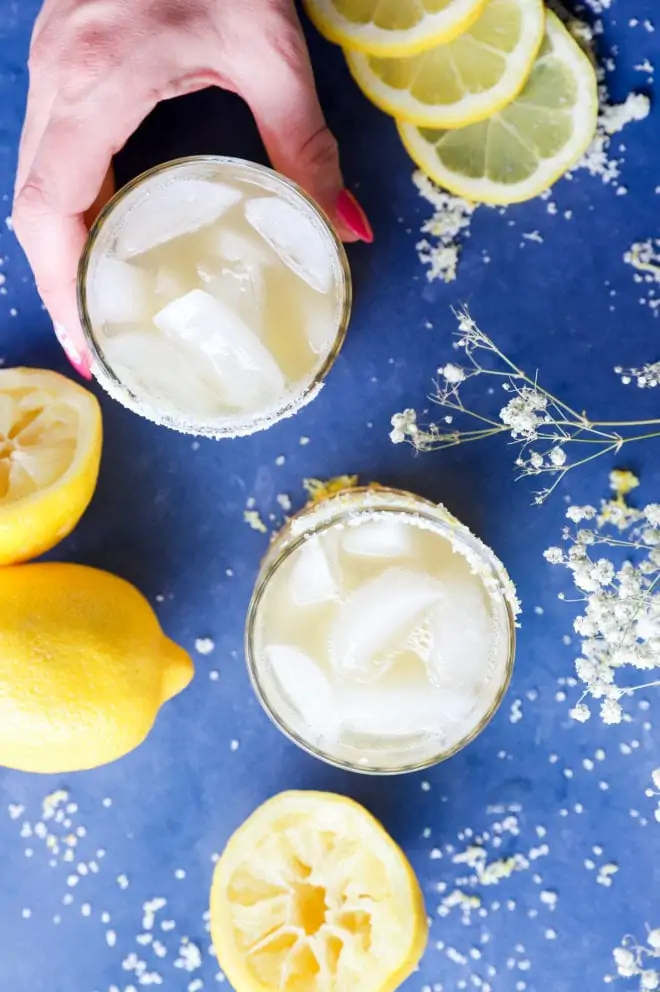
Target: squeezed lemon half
{"points": [[312, 895], [524, 148], [50, 449], [392, 27], [460, 81]]}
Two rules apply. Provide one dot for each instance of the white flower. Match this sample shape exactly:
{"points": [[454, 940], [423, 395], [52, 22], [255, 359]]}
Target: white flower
{"points": [[558, 456], [654, 935], [579, 513], [454, 374], [652, 514], [581, 713], [650, 980], [525, 413], [625, 961], [586, 537], [587, 670], [655, 775], [554, 555], [536, 460], [611, 711], [404, 425]]}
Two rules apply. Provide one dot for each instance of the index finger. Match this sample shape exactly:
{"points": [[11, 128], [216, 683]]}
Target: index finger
{"points": [[69, 164]]}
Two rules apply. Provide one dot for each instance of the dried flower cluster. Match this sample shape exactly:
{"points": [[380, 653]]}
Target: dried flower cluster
{"points": [[635, 960], [545, 429], [646, 377], [619, 627]]}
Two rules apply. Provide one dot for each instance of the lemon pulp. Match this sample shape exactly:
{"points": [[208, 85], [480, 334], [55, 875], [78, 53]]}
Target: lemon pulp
{"points": [[312, 895]]}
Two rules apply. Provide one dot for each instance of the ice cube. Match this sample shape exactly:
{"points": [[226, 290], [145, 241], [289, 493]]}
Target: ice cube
{"points": [[146, 362], [319, 326], [119, 293], [387, 710], [296, 239], [235, 247], [370, 626], [202, 322], [378, 539], [171, 211], [315, 574], [461, 629], [305, 685]]}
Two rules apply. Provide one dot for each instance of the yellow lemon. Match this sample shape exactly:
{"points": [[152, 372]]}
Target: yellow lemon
{"points": [[523, 149], [392, 28], [84, 667], [50, 449], [312, 895], [463, 80]]}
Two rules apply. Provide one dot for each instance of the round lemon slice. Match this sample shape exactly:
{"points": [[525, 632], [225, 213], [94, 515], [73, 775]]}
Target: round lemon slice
{"points": [[392, 28], [524, 148], [50, 449], [312, 895], [463, 80]]}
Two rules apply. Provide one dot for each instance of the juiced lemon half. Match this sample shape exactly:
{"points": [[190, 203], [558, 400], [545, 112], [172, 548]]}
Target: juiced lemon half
{"points": [[525, 147], [50, 449], [312, 895]]}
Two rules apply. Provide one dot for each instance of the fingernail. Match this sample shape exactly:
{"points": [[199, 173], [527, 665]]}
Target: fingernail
{"points": [[353, 216], [71, 352]]}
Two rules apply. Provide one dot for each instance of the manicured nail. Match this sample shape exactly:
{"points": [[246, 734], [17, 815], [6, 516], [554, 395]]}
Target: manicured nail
{"points": [[71, 352], [353, 216]]}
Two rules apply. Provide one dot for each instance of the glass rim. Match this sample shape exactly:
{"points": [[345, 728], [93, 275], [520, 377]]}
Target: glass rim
{"points": [[286, 541], [245, 425]]}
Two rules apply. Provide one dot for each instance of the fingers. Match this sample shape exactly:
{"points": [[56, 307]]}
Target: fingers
{"points": [[64, 169], [278, 84]]}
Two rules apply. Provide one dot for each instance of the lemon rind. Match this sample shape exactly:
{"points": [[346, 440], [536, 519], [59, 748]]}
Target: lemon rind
{"points": [[239, 848]]}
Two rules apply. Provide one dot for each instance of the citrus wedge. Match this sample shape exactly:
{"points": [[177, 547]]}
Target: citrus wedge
{"points": [[392, 28], [524, 148], [50, 449], [312, 895], [463, 80]]}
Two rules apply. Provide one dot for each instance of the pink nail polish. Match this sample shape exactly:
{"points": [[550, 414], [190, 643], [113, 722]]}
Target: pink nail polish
{"points": [[71, 352], [353, 216]]}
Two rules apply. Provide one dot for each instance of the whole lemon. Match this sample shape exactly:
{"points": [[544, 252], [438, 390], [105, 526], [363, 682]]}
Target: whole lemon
{"points": [[84, 667]]}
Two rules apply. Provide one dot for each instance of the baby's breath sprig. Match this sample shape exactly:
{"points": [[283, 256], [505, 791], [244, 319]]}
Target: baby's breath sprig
{"points": [[635, 960], [620, 625], [544, 428]]}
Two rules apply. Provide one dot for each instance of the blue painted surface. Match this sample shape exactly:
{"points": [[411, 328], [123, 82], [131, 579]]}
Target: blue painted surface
{"points": [[168, 516]]}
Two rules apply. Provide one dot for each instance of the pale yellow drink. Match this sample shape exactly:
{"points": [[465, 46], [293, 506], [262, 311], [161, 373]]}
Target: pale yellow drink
{"points": [[215, 296], [381, 632]]}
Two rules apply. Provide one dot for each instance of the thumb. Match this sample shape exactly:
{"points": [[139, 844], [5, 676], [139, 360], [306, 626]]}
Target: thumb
{"points": [[278, 86]]}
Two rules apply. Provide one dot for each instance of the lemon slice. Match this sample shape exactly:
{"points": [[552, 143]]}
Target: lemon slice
{"points": [[392, 28], [50, 448], [527, 146], [312, 895], [464, 80]]}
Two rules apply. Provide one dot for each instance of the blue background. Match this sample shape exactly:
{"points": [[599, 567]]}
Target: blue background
{"points": [[168, 515]]}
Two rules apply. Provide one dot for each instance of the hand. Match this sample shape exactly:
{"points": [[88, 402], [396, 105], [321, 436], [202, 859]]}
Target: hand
{"points": [[98, 67]]}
